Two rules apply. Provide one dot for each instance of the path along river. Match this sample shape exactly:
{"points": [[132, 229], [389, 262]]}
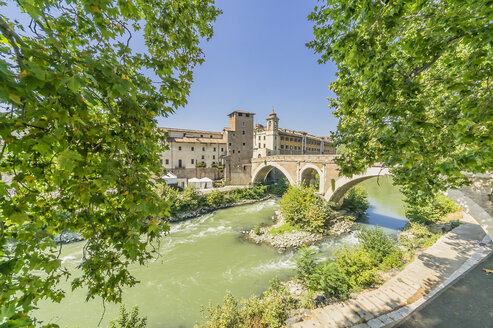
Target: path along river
{"points": [[204, 257]]}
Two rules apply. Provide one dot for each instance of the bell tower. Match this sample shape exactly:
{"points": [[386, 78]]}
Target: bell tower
{"points": [[272, 134]]}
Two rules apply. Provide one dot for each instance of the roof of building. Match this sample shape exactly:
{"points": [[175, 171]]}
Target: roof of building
{"points": [[189, 130], [241, 111]]}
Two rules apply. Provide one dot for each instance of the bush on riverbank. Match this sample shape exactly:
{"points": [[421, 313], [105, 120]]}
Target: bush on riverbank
{"points": [[417, 235], [302, 208], [129, 320], [271, 310], [190, 200], [431, 211], [356, 201]]}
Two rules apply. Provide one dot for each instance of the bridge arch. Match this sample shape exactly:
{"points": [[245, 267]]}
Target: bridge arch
{"points": [[306, 175], [262, 171], [335, 193]]}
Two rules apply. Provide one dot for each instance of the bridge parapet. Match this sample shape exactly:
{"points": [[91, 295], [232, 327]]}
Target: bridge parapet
{"points": [[297, 158]]}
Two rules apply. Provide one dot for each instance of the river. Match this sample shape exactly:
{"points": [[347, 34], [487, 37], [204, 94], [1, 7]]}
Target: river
{"points": [[204, 257]]}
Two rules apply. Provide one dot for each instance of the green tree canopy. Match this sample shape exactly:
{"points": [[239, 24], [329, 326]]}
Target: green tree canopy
{"points": [[78, 137], [413, 88]]}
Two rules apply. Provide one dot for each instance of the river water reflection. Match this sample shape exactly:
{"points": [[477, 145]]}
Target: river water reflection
{"points": [[203, 258]]}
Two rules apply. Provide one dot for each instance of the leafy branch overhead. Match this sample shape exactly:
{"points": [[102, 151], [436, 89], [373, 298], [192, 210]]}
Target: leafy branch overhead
{"points": [[78, 140], [413, 88]]}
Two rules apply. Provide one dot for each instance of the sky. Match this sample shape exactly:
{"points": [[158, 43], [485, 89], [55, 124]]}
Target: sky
{"points": [[257, 60]]}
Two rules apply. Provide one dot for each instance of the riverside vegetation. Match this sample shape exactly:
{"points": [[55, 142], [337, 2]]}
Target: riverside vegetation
{"points": [[351, 270], [189, 203], [305, 218]]}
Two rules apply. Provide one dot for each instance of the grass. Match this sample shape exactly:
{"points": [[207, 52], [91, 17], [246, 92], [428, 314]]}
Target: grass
{"points": [[286, 227]]}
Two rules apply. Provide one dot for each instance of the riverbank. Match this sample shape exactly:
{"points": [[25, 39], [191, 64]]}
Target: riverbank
{"points": [[414, 284], [284, 240], [207, 209]]}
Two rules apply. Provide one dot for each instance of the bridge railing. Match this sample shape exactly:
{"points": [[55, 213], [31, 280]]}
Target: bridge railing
{"points": [[296, 158]]}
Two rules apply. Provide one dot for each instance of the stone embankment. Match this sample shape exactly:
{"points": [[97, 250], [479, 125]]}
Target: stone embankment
{"points": [[294, 239]]}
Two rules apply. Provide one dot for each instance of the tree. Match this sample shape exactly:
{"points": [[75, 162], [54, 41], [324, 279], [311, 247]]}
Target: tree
{"points": [[78, 137], [413, 88]]}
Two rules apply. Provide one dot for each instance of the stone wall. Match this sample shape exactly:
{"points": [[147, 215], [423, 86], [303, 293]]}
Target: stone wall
{"points": [[201, 172]]}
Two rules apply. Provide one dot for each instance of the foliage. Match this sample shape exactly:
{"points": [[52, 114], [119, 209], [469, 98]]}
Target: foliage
{"points": [[302, 208], [256, 229], [357, 265], [417, 235], [286, 227], [376, 242], [271, 310], [126, 321], [306, 261], [327, 278], [215, 198], [200, 165], [432, 209], [278, 188], [79, 137], [356, 201], [394, 259], [413, 90]]}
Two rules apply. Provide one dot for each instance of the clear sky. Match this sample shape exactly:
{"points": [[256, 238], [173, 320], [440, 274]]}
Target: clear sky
{"points": [[257, 60]]}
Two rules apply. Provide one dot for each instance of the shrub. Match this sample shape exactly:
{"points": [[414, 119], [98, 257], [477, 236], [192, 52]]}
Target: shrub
{"points": [[278, 188], [126, 321], [256, 230], [327, 278], [356, 201], [190, 198], [376, 242], [417, 235], [393, 259], [306, 262], [429, 211], [357, 265], [215, 198], [271, 310], [302, 208]]}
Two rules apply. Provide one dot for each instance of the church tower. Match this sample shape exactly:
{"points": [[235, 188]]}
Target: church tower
{"points": [[272, 134]]}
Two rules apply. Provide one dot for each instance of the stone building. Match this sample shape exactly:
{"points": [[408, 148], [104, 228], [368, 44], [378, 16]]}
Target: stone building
{"points": [[272, 140], [200, 154]]}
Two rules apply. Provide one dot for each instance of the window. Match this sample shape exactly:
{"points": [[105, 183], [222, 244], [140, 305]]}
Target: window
{"points": [[211, 137], [193, 148], [179, 148], [214, 148], [238, 151], [213, 163], [264, 137], [282, 138], [203, 157], [233, 151], [282, 146], [222, 149], [203, 148], [264, 145], [243, 132], [240, 114], [161, 161], [201, 135], [259, 138], [247, 115], [291, 147], [213, 156], [243, 124], [244, 144], [192, 161], [230, 144], [167, 161]]}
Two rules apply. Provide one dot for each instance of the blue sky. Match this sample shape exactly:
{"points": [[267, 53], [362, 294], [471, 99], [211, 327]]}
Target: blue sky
{"points": [[257, 60]]}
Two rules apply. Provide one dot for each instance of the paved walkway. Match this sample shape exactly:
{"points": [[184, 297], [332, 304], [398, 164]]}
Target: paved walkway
{"points": [[449, 310], [394, 300]]}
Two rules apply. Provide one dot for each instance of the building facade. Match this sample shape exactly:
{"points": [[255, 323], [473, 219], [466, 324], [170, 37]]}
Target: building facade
{"points": [[272, 140]]}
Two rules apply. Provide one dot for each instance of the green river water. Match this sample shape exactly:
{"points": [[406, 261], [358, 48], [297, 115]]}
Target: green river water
{"points": [[204, 257]]}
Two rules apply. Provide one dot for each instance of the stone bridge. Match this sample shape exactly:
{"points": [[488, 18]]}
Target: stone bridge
{"points": [[317, 170]]}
